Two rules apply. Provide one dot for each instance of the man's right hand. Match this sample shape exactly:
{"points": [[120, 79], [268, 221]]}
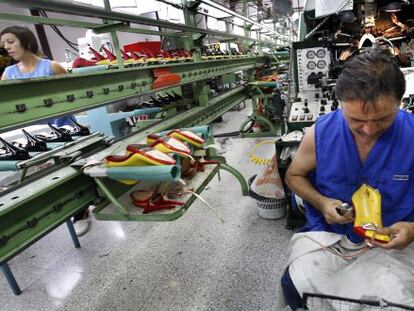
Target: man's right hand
{"points": [[329, 210]]}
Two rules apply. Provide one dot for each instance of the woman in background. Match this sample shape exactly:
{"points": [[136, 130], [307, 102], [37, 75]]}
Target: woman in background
{"points": [[21, 44]]}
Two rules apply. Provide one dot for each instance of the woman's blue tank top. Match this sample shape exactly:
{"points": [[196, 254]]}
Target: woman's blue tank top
{"points": [[389, 168], [43, 69]]}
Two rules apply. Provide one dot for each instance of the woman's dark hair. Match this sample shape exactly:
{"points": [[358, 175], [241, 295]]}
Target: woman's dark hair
{"points": [[26, 37], [369, 76]]}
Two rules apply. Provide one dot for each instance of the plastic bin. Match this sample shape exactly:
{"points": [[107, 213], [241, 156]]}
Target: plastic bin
{"points": [[268, 208]]}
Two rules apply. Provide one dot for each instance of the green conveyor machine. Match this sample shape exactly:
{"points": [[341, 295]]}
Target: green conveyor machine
{"points": [[42, 199]]}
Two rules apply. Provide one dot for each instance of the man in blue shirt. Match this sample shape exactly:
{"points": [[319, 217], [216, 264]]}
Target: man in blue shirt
{"points": [[368, 141]]}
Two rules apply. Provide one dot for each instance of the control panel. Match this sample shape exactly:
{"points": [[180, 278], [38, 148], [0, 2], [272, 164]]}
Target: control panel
{"points": [[313, 64], [305, 112]]}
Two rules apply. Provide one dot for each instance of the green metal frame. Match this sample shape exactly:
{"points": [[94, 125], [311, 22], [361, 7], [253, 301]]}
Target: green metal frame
{"points": [[57, 95], [38, 205], [31, 211], [272, 130], [116, 210], [256, 117], [54, 195], [240, 178], [123, 212]]}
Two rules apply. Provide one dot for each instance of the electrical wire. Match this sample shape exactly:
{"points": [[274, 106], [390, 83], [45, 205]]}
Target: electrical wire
{"points": [[184, 191], [337, 253], [71, 44], [259, 160]]}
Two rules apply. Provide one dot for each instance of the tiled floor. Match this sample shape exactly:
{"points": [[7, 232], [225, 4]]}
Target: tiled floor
{"points": [[194, 263]]}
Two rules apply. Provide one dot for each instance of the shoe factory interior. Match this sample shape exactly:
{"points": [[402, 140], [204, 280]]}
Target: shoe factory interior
{"points": [[146, 169]]}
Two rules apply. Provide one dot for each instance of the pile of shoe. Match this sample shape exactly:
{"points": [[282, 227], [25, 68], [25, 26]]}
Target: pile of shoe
{"points": [[141, 58], [166, 157]]}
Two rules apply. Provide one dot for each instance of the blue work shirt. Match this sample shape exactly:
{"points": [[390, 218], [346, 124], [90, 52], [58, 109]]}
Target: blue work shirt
{"points": [[339, 171]]}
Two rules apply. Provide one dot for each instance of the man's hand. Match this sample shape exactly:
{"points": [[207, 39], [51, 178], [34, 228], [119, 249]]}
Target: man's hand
{"points": [[401, 233], [329, 211]]}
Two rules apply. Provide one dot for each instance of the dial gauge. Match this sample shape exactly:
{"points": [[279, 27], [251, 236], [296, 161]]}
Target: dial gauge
{"points": [[310, 54], [321, 64], [311, 65], [321, 53]]}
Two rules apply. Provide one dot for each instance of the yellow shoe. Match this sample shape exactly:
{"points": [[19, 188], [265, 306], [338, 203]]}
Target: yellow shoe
{"points": [[367, 207], [103, 62], [152, 138], [187, 136], [171, 145], [137, 155], [151, 155]]}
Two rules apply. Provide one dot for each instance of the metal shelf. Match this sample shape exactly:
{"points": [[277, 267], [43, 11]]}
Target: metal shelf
{"points": [[110, 211], [53, 96], [36, 206], [55, 194]]}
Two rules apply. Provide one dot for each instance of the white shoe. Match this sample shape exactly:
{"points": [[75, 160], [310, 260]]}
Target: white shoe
{"points": [[81, 226]]}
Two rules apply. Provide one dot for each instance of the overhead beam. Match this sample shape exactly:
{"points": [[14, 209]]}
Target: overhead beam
{"points": [[75, 9], [97, 27]]}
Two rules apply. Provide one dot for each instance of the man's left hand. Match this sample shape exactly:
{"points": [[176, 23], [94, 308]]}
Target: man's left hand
{"points": [[401, 233]]}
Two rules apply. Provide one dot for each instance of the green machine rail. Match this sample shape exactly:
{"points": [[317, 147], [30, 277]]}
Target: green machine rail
{"points": [[54, 96], [39, 204], [55, 199]]}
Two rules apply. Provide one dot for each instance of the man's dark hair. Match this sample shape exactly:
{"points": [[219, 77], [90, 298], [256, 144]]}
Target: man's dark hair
{"points": [[26, 37], [369, 76]]}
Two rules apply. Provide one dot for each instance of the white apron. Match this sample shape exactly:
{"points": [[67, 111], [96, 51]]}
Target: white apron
{"points": [[378, 273]]}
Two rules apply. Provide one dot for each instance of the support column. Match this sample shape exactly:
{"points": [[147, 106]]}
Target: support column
{"points": [[246, 27], [114, 38], [200, 88], [73, 233], [10, 279], [189, 11]]}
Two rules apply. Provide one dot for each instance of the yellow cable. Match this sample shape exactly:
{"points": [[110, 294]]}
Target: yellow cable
{"points": [[256, 159]]}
